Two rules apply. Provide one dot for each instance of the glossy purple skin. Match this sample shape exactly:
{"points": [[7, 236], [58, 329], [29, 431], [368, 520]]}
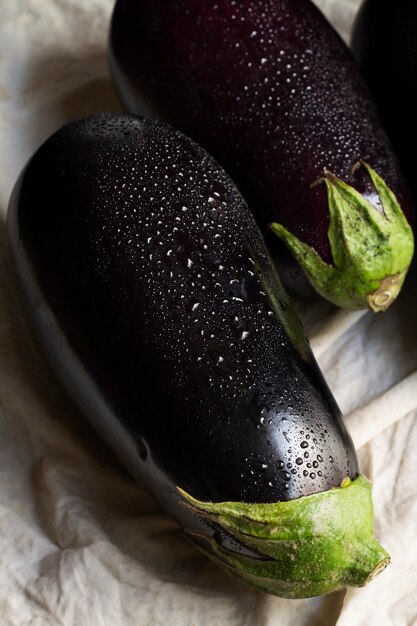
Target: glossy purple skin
{"points": [[384, 42], [266, 86], [149, 289]]}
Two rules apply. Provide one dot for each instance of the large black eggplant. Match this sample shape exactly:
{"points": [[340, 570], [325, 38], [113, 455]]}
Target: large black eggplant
{"points": [[148, 288], [270, 89], [385, 44]]}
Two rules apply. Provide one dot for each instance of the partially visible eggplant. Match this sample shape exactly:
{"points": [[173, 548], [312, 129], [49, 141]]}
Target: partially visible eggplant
{"points": [[385, 43], [148, 288], [269, 88]]}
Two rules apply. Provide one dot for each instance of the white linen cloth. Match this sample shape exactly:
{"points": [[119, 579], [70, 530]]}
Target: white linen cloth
{"points": [[80, 543]]}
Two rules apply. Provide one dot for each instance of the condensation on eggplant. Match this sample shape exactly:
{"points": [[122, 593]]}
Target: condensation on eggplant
{"points": [[149, 290], [270, 89]]}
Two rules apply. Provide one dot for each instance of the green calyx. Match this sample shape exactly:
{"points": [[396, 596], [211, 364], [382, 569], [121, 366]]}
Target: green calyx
{"points": [[371, 249], [307, 547]]}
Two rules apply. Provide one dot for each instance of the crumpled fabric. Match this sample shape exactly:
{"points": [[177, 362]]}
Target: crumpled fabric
{"points": [[81, 544]]}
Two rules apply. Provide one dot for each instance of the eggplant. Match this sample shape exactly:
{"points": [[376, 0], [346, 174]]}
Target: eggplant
{"points": [[384, 42], [269, 88], [148, 288]]}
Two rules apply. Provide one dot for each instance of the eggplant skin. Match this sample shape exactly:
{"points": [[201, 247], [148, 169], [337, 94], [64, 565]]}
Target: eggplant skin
{"points": [[148, 288], [270, 89], [141, 248], [384, 42]]}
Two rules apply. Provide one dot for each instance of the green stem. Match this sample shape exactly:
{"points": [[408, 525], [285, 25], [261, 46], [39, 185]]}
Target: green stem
{"points": [[371, 249], [309, 546]]}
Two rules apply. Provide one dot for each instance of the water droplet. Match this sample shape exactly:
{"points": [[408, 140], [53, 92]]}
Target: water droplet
{"points": [[220, 365]]}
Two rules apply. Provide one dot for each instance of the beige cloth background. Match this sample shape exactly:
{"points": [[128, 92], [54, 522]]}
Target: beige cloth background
{"points": [[80, 543]]}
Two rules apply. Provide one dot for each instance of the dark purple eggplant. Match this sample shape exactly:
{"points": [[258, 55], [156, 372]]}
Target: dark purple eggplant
{"points": [[385, 43], [269, 88], [149, 290]]}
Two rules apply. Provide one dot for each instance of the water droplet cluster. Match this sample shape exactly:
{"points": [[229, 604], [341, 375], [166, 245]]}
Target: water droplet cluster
{"points": [[269, 89], [161, 265]]}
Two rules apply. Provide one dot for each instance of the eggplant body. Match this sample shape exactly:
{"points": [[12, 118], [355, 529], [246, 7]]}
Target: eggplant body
{"points": [[148, 288], [269, 88], [385, 44]]}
